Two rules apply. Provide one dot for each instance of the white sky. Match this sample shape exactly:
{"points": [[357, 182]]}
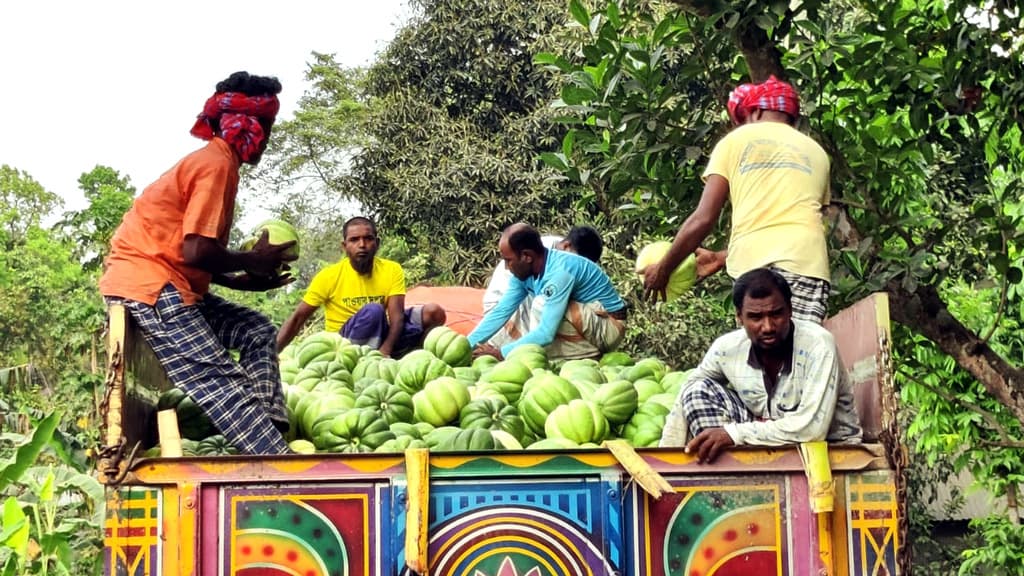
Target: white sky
{"points": [[119, 83]]}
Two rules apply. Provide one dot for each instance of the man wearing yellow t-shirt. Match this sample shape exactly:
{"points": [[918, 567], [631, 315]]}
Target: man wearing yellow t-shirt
{"points": [[777, 180], [364, 298]]}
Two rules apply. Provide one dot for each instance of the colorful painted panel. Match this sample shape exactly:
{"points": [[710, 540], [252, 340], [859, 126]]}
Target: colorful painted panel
{"points": [[132, 533], [299, 531], [712, 527], [535, 528], [871, 516]]}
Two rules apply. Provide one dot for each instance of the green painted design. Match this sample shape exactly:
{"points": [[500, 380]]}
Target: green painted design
{"points": [[302, 522], [699, 512], [487, 466], [509, 565]]}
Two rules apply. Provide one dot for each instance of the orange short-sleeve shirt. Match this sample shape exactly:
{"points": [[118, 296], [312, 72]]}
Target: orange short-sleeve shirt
{"points": [[197, 196]]}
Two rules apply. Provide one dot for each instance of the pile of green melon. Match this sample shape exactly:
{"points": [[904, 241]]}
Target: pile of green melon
{"points": [[347, 398]]}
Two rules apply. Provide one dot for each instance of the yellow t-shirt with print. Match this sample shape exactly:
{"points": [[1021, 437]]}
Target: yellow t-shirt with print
{"points": [[778, 182], [342, 291]]}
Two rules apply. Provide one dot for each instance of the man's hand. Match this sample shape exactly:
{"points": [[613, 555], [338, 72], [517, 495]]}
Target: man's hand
{"points": [[709, 262], [250, 283], [708, 444], [266, 258], [487, 350], [385, 350], [655, 281]]}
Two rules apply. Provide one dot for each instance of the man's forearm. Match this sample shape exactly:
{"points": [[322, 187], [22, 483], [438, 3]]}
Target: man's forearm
{"points": [[686, 241], [395, 329], [287, 332]]}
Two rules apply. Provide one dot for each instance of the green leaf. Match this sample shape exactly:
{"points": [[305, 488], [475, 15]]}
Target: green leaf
{"points": [[612, 12], [27, 453], [46, 490], [575, 95], [556, 161], [579, 13], [765, 22], [14, 516]]}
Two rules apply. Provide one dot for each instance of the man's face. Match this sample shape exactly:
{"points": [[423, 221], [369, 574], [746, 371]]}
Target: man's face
{"points": [[268, 127], [361, 247], [520, 265], [766, 320]]}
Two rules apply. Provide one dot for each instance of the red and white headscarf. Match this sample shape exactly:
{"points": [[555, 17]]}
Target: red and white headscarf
{"points": [[239, 117], [772, 94]]}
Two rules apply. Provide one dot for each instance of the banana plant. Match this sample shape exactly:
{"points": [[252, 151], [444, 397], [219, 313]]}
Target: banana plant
{"points": [[52, 513]]}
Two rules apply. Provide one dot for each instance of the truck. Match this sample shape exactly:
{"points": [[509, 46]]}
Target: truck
{"points": [[607, 511]]}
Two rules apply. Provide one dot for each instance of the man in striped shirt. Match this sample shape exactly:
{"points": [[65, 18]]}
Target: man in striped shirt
{"points": [[775, 381]]}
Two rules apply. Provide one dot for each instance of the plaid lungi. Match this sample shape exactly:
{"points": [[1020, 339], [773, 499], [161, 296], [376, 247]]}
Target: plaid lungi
{"points": [[708, 404], [810, 296], [244, 398]]}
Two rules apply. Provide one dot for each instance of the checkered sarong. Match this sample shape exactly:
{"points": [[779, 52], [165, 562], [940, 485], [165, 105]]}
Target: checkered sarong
{"points": [[708, 404], [244, 398], [810, 296]]}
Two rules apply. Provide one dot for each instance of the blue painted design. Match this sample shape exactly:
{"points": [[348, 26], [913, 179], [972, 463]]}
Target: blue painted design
{"points": [[613, 537], [571, 500]]}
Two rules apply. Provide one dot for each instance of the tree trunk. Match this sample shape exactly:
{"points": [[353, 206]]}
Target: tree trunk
{"points": [[924, 312], [762, 55]]}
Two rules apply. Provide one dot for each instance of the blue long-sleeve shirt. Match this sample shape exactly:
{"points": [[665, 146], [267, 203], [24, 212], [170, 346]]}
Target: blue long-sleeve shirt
{"points": [[566, 277]]}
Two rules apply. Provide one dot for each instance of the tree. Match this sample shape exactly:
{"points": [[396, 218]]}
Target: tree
{"points": [[918, 136], [24, 203], [303, 175], [110, 195], [918, 104], [458, 114], [49, 307]]}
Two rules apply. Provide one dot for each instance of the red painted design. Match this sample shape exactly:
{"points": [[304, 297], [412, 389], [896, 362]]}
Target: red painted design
{"points": [[729, 535], [754, 562]]}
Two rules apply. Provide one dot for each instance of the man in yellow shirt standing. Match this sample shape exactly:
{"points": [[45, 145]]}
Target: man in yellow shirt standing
{"points": [[364, 298], [777, 179]]}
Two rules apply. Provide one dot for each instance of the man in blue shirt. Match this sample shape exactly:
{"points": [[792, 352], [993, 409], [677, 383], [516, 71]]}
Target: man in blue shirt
{"points": [[574, 311]]}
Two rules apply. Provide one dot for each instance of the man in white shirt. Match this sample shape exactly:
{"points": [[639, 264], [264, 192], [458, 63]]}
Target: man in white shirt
{"points": [[775, 381], [582, 240]]}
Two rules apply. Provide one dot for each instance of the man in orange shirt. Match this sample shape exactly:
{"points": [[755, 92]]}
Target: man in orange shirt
{"points": [[172, 244]]}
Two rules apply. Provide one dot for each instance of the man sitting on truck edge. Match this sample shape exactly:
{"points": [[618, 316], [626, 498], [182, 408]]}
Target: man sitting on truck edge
{"points": [[364, 298], [173, 243], [582, 240], [573, 310], [777, 180], [777, 380]]}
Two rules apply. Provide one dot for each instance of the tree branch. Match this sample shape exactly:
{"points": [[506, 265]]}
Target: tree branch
{"points": [[762, 55], [924, 312]]}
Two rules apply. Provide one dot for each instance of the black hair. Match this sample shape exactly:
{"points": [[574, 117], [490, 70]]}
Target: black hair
{"points": [[525, 237], [358, 220], [250, 85], [586, 242], [760, 283]]}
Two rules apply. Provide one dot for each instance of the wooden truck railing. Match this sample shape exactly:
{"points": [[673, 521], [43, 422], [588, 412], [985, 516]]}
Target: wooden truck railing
{"points": [[522, 513]]}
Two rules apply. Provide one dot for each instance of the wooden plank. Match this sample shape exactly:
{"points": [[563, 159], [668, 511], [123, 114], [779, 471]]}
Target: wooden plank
{"points": [[417, 518], [861, 331]]}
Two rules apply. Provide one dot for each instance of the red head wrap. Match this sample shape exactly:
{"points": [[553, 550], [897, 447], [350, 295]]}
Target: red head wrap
{"points": [[772, 94], [239, 117]]}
